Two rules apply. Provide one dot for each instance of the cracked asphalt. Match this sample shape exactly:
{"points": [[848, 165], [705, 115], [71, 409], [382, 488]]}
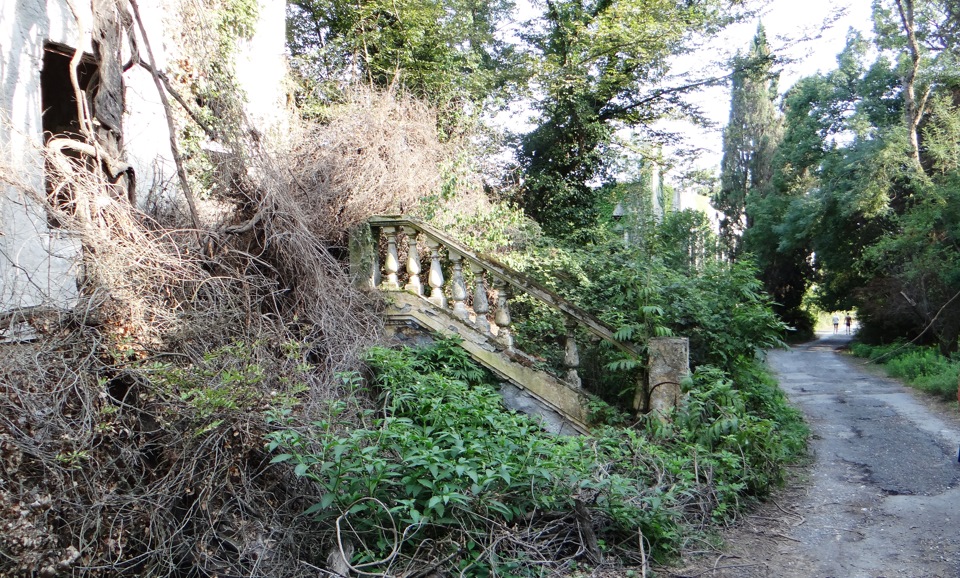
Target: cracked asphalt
{"points": [[881, 496], [884, 494]]}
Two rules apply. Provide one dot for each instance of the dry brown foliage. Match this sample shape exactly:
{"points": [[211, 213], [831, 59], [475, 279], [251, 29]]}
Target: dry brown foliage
{"points": [[127, 445], [378, 153], [106, 473]]}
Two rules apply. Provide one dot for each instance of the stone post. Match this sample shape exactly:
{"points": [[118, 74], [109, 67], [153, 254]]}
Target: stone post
{"points": [[481, 306], [458, 288], [571, 356], [413, 262], [669, 364], [392, 264], [435, 277], [364, 260], [502, 316]]}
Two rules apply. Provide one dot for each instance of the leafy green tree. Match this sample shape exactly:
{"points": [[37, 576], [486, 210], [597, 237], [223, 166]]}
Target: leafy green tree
{"points": [[750, 140], [865, 181], [600, 64], [446, 51], [834, 201], [783, 214], [924, 34]]}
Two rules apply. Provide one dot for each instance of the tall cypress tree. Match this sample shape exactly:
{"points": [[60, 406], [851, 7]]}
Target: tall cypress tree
{"points": [[750, 140]]}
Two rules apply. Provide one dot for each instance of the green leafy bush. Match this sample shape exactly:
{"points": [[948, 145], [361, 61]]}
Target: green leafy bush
{"points": [[443, 471], [922, 367]]}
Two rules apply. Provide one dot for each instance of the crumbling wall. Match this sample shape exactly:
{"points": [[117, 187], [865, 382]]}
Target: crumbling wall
{"points": [[37, 260]]}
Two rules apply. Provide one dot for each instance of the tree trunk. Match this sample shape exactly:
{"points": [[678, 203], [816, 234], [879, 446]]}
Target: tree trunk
{"points": [[913, 110]]}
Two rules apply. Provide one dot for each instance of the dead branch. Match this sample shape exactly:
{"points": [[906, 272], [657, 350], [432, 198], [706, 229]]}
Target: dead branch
{"points": [[207, 128], [83, 115], [245, 227], [35, 316], [174, 149]]}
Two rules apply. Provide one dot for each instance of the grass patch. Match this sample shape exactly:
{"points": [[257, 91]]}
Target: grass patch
{"points": [[923, 368]]}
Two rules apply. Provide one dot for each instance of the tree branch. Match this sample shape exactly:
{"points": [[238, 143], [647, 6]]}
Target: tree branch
{"points": [[612, 113], [177, 159], [207, 128]]}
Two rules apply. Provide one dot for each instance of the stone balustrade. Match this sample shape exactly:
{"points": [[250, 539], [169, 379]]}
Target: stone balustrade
{"points": [[474, 289]]}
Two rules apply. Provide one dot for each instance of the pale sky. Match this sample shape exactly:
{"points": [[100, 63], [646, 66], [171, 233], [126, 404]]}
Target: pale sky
{"points": [[787, 23]]}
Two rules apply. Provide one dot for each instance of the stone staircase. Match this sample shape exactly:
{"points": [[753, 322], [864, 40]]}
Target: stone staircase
{"points": [[478, 316]]}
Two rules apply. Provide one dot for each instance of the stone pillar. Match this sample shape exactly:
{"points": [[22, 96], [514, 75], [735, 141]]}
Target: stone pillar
{"points": [[458, 288], [571, 356], [364, 261], [481, 306], [435, 277], [669, 364], [502, 316], [413, 262], [392, 264]]}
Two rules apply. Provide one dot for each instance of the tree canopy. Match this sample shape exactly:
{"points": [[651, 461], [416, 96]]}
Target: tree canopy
{"points": [[445, 51], [866, 177], [601, 66]]}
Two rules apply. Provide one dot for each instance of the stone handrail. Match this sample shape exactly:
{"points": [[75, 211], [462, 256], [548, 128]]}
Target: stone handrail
{"points": [[366, 262]]}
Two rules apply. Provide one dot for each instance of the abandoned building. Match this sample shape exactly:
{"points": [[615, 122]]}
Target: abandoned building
{"points": [[59, 58]]}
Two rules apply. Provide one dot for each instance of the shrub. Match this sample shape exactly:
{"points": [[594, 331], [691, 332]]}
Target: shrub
{"points": [[924, 368], [444, 475]]}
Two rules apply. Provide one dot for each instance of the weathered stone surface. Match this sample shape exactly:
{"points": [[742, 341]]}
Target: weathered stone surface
{"points": [[364, 266], [518, 399], [669, 364]]}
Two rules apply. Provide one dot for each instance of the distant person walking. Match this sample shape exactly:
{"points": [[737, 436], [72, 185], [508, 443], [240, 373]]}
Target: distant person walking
{"points": [[848, 321], [836, 323]]}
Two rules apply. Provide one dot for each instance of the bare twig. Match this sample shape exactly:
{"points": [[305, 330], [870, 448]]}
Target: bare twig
{"points": [[207, 128], [174, 149]]}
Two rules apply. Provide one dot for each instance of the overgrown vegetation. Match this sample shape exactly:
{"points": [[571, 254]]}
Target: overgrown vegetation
{"points": [[862, 201], [215, 403], [922, 367], [443, 475], [666, 281]]}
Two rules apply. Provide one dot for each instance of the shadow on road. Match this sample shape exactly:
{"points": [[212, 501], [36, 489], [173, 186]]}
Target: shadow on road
{"points": [[879, 496]]}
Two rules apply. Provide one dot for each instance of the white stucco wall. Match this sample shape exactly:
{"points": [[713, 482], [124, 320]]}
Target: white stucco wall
{"points": [[261, 66], [36, 263]]}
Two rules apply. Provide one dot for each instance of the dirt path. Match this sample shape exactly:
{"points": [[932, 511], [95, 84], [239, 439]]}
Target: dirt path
{"points": [[881, 497]]}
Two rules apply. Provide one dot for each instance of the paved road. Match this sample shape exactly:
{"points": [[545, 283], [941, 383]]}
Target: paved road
{"points": [[881, 497], [884, 491]]}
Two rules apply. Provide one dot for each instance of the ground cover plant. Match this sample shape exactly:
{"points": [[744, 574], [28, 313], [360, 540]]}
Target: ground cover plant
{"points": [[441, 474], [922, 367], [204, 409], [163, 406]]}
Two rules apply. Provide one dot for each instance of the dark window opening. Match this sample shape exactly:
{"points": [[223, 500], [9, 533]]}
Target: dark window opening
{"points": [[57, 97], [60, 117]]}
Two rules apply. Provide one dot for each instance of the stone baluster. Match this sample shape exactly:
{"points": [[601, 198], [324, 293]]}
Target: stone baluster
{"points": [[413, 262], [481, 306], [377, 273], [571, 356], [458, 288], [502, 316], [435, 277], [392, 263]]}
